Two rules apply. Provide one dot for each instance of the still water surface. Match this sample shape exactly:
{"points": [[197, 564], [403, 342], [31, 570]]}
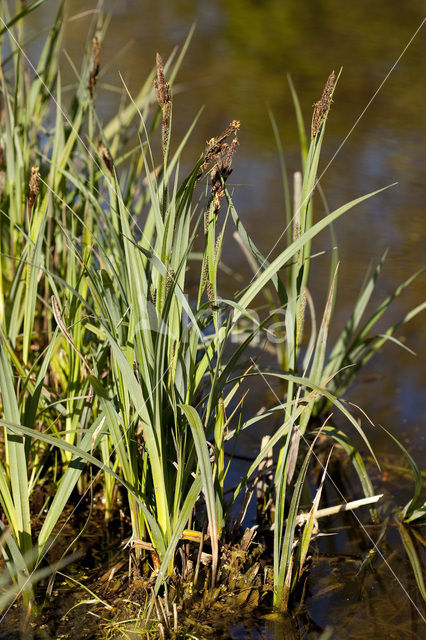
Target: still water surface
{"points": [[236, 67]]}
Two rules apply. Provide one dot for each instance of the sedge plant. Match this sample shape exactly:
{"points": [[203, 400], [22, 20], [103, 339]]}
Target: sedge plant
{"points": [[106, 359]]}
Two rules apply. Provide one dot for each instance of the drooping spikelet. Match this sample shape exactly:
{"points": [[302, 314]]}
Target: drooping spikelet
{"points": [[216, 147], [220, 152]]}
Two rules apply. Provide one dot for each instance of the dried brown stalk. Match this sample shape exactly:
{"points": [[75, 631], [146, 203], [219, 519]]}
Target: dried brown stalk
{"points": [[322, 107], [95, 66]]}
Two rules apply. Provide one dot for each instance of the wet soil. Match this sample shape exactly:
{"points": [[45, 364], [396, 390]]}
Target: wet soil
{"points": [[358, 580]]}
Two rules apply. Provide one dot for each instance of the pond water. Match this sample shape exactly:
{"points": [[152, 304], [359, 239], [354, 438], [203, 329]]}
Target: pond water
{"points": [[237, 65]]}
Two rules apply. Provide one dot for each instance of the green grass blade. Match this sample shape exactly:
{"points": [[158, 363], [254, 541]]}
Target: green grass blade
{"points": [[17, 459], [415, 501], [413, 557], [66, 485], [21, 15], [300, 122], [178, 527], [291, 251], [203, 459], [79, 453]]}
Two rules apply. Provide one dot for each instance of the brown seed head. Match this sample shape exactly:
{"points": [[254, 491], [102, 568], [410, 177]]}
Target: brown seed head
{"points": [[161, 86], [218, 151], [221, 153], [169, 279], [210, 292], [95, 66], [204, 274], [105, 155], [34, 185], [228, 157], [322, 107], [162, 89]]}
